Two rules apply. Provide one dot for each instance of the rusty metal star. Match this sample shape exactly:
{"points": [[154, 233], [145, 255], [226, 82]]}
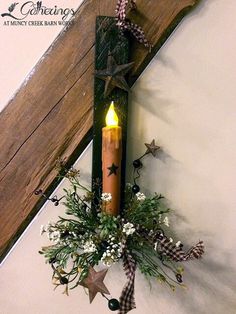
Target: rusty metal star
{"points": [[114, 75], [152, 148], [94, 283]]}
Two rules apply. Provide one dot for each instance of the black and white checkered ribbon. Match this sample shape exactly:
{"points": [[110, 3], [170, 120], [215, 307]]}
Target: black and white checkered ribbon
{"points": [[127, 302], [166, 247], [125, 25]]}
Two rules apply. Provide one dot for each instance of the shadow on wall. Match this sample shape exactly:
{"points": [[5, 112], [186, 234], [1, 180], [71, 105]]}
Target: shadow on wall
{"points": [[211, 281], [142, 96], [210, 289]]}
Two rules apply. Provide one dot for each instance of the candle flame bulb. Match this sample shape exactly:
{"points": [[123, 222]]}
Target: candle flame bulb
{"points": [[111, 117]]}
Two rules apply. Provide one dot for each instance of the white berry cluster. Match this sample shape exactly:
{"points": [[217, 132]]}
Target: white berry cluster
{"points": [[140, 196], [106, 197], [89, 247], [56, 235], [113, 252], [52, 234], [45, 228], [128, 228]]}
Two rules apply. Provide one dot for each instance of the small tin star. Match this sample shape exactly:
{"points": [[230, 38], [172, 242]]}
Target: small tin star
{"points": [[94, 283], [152, 148]]}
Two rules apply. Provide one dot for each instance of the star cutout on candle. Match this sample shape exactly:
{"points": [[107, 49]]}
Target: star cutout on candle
{"points": [[94, 283], [152, 148], [114, 75], [113, 169]]}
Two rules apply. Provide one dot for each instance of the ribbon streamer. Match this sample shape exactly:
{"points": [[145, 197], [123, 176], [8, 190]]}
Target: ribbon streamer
{"points": [[125, 25], [127, 302], [166, 247]]}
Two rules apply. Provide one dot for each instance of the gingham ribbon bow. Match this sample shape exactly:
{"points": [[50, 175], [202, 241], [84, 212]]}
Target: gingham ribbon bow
{"points": [[166, 247], [125, 25], [127, 302]]}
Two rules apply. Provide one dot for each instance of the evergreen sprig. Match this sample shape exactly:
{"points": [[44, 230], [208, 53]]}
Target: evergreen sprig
{"points": [[82, 239]]}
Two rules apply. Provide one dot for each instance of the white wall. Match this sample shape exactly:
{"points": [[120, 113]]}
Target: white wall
{"points": [[186, 101]]}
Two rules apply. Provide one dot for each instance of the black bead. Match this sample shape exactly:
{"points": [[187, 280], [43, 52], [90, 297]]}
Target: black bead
{"points": [[113, 304], [137, 163], [63, 280], [56, 203], [104, 245], [135, 188], [65, 234]]}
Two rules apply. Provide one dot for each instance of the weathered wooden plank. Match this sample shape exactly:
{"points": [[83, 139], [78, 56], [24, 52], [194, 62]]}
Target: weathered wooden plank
{"points": [[51, 115]]}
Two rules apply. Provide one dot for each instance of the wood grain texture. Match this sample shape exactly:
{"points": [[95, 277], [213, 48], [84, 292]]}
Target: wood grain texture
{"points": [[51, 114]]}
